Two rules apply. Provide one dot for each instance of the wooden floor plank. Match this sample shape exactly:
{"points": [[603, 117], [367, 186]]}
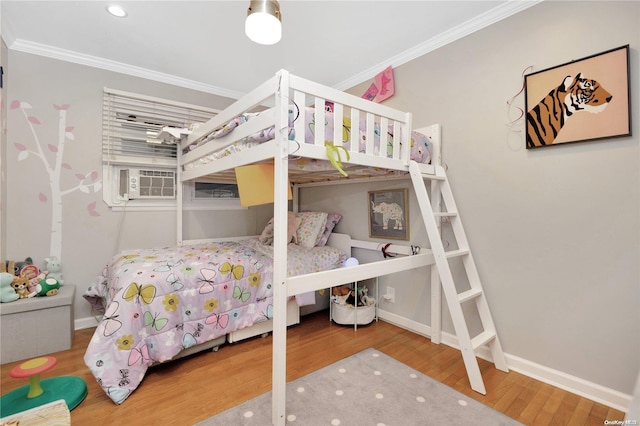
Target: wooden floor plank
{"points": [[580, 415], [567, 407], [206, 387]]}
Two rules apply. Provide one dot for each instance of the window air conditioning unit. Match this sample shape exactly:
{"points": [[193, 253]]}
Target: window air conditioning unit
{"points": [[137, 184]]}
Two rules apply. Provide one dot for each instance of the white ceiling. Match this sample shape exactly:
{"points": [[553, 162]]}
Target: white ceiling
{"points": [[201, 44]]}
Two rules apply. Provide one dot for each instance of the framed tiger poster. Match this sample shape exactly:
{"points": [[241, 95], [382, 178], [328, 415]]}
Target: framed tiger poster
{"points": [[585, 99]]}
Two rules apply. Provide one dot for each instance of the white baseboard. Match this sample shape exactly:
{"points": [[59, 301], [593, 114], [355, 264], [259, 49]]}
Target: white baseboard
{"points": [[86, 322], [593, 391], [576, 385], [407, 324]]}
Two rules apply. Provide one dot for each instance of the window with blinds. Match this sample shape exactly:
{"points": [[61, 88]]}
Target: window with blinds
{"points": [[139, 158], [132, 128]]}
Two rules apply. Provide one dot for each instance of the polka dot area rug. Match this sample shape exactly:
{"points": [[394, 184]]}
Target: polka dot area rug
{"points": [[368, 388]]}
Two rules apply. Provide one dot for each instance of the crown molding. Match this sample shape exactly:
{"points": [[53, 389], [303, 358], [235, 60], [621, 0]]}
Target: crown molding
{"points": [[479, 22], [7, 33], [40, 49], [488, 18]]}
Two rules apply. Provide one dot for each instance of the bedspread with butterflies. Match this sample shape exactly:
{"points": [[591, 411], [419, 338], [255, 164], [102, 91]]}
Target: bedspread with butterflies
{"points": [[157, 302]]}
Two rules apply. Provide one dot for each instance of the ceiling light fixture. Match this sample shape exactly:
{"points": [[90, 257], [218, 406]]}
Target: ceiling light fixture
{"points": [[116, 11], [263, 24]]}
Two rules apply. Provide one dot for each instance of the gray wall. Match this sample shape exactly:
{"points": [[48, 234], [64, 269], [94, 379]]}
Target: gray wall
{"points": [[3, 153], [554, 231], [88, 242]]}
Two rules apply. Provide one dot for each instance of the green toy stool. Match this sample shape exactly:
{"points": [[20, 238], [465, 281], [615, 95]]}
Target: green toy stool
{"points": [[72, 389]]}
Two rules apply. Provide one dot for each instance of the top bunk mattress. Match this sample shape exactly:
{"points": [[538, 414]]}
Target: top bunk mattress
{"points": [[421, 146]]}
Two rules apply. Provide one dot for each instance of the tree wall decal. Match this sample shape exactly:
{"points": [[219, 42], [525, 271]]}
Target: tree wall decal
{"points": [[87, 182]]}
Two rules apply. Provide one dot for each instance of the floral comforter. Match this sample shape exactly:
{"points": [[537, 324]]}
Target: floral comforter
{"points": [[157, 302]]}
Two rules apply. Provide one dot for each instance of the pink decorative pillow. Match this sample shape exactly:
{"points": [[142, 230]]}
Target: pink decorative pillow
{"points": [[293, 222], [332, 221]]}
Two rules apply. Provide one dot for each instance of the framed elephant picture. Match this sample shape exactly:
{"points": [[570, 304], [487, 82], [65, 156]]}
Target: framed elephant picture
{"points": [[389, 214]]}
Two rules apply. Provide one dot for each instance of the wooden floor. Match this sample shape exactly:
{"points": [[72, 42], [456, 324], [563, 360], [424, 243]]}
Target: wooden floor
{"points": [[186, 391]]}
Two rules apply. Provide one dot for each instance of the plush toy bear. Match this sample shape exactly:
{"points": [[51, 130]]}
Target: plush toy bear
{"points": [[54, 268], [19, 285], [7, 293]]}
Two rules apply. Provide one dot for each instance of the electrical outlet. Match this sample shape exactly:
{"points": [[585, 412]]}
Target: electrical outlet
{"points": [[391, 295]]}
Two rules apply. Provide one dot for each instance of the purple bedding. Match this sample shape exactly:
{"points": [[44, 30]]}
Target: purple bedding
{"points": [[157, 302]]}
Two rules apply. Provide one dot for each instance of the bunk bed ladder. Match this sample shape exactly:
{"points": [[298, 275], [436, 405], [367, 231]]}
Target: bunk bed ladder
{"points": [[454, 299]]}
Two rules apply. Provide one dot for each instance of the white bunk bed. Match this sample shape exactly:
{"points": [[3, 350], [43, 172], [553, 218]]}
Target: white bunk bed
{"points": [[282, 94]]}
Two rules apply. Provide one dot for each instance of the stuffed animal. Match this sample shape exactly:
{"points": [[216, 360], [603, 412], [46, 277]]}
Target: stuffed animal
{"points": [[340, 300], [7, 293], [340, 294], [46, 287], [19, 285], [351, 299], [364, 297], [54, 268], [33, 282], [29, 271], [20, 266], [8, 267], [343, 290]]}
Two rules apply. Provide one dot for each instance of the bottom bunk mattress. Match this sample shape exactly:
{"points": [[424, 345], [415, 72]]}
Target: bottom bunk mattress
{"points": [[158, 302]]}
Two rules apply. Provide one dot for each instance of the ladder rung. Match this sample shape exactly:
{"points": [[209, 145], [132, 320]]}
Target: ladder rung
{"points": [[469, 294], [456, 253], [445, 214], [482, 338], [433, 177]]}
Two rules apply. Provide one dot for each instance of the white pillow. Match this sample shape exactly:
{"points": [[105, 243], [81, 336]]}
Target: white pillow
{"points": [[311, 228]]}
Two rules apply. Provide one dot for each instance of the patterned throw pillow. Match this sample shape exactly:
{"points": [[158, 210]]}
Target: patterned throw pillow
{"points": [[332, 221], [312, 226]]}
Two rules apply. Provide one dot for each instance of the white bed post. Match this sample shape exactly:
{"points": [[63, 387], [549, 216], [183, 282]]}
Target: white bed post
{"points": [[179, 195], [280, 208], [434, 133], [436, 205]]}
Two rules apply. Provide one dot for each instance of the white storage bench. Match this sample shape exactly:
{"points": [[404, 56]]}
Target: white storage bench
{"points": [[36, 326]]}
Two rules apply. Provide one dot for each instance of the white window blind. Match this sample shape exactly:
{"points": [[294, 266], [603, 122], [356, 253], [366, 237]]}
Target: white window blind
{"points": [[132, 123]]}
